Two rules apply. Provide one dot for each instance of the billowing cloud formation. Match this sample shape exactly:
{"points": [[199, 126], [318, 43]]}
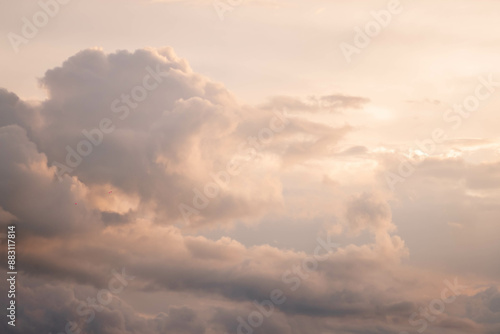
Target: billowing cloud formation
{"points": [[133, 157], [149, 115]]}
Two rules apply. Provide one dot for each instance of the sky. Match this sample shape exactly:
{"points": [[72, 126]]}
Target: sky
{"points": [[250, 166]]}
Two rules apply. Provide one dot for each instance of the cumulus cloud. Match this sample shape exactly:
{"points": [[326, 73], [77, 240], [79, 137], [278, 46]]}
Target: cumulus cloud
{"points": [[169, 134], [149, 115]]}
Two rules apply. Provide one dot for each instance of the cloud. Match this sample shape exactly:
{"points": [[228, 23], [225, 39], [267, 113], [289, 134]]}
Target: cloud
{"points": [[167, 143], [366, 211], [334, 103], [173, 138], [28, 191]]}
